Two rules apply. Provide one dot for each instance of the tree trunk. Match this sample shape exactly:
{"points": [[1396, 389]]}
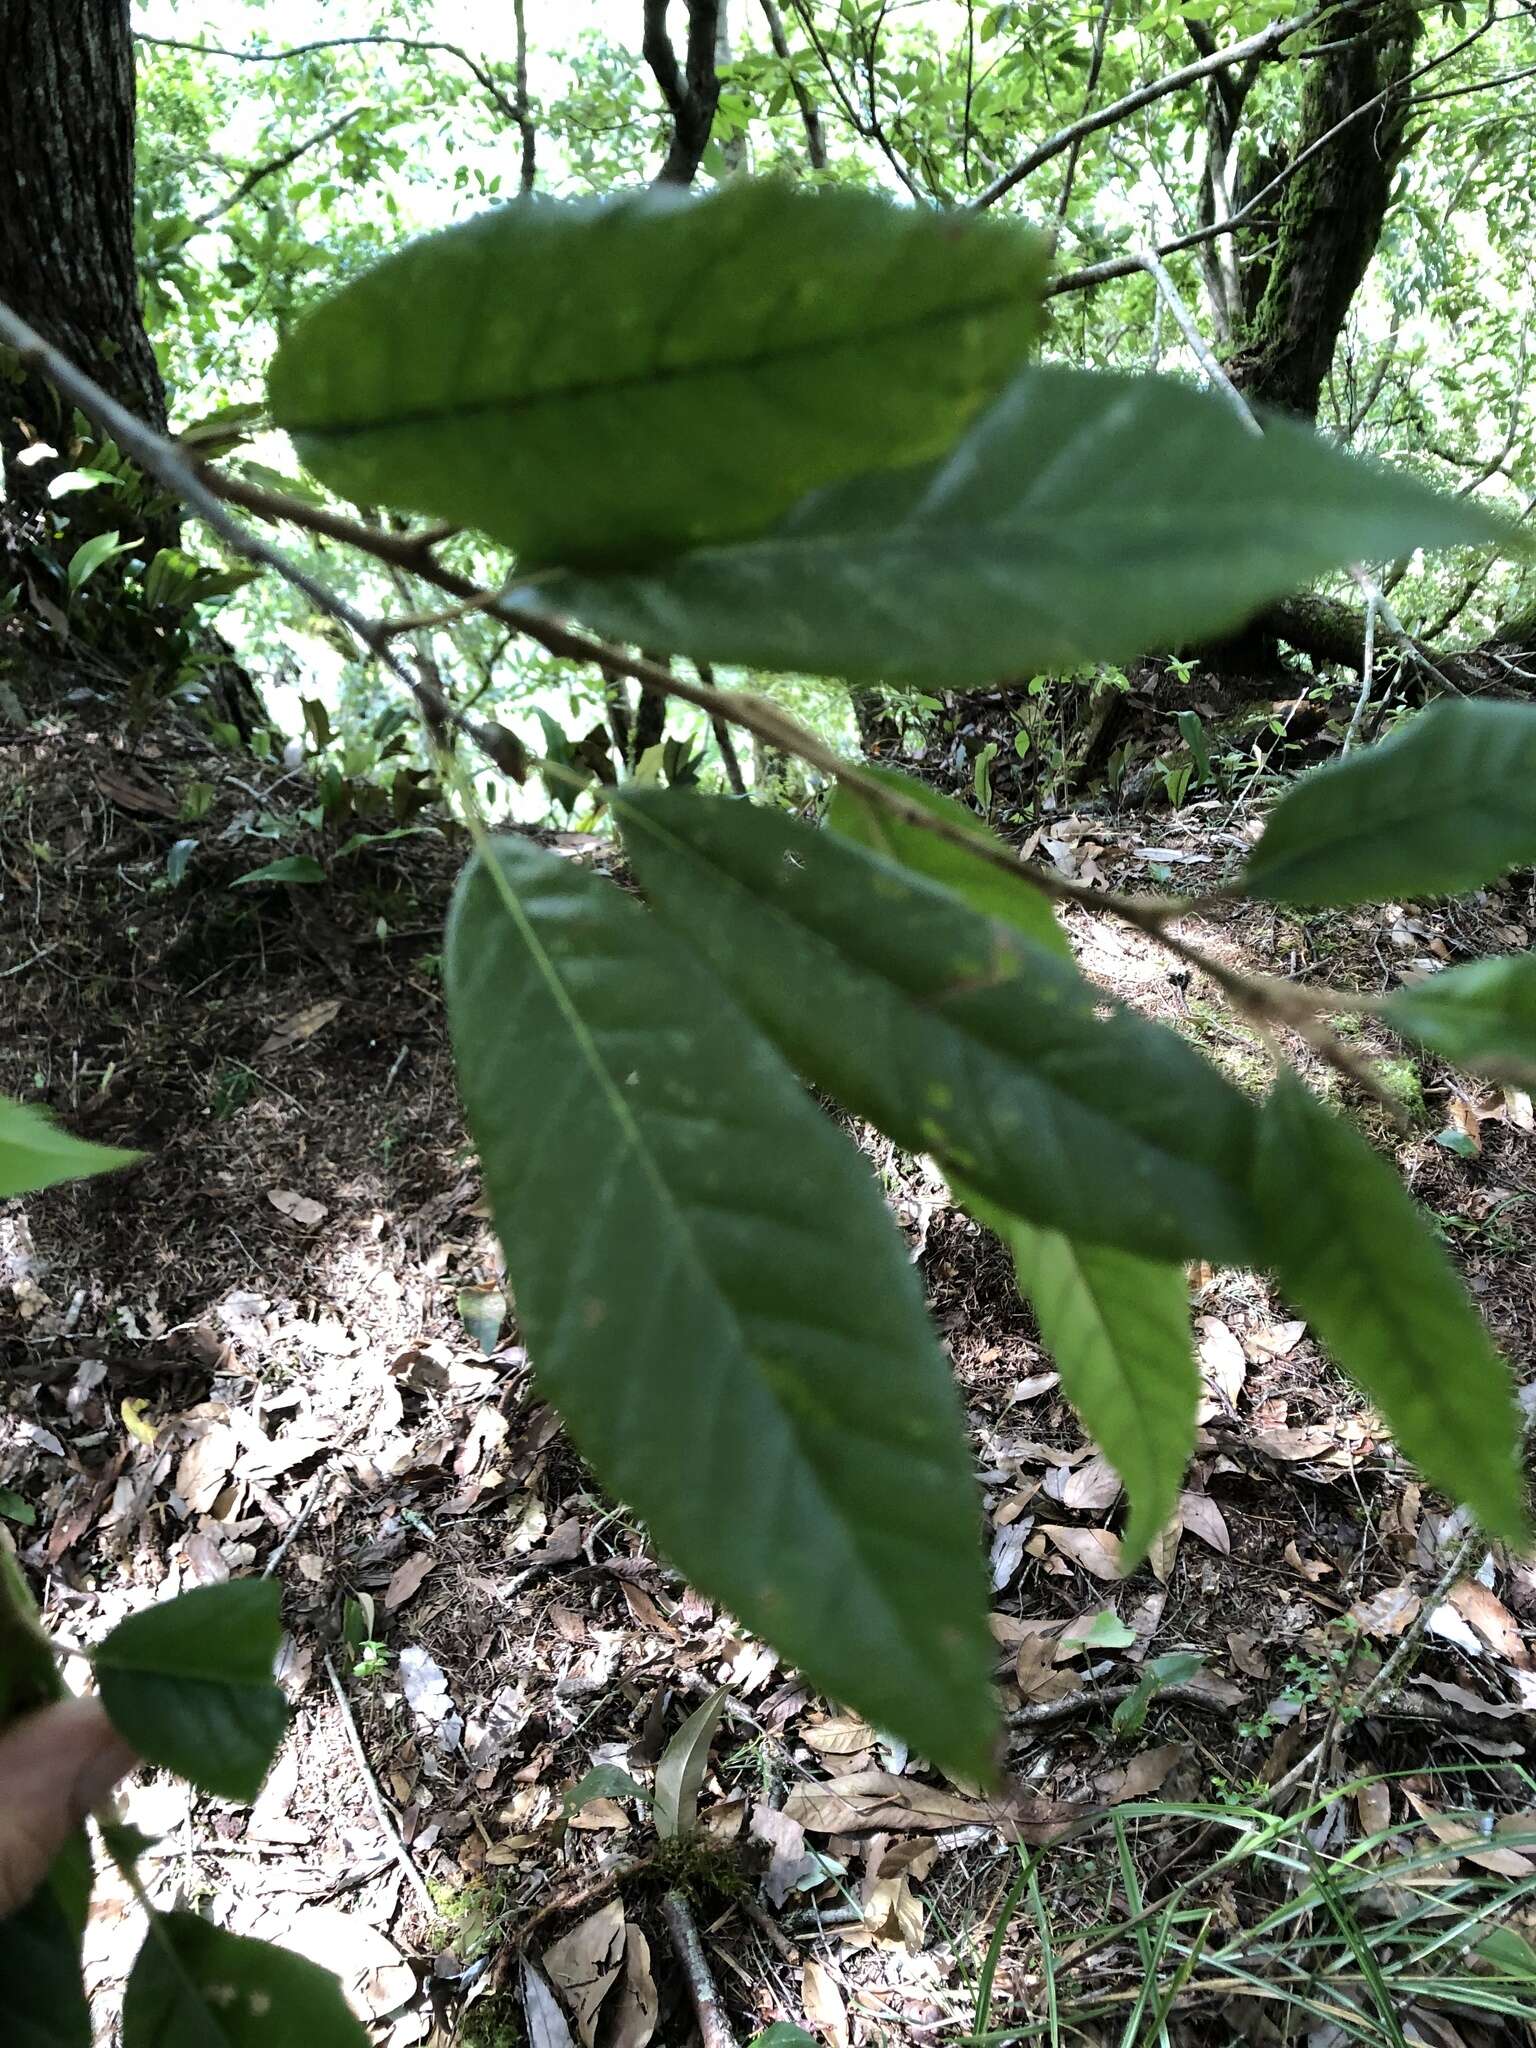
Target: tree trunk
{"points": [[1331, 209], [66, 210], [67, 117]]}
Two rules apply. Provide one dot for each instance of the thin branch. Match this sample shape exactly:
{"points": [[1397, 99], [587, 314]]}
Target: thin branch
{"points": [[1367, 676], [714, 2027], [271, 167], [417, 43], [1127, 266], [1095, 66], [381, 1812], [1260, 45], [527, 128], [727, 746], [810, 117], [860, 126]]}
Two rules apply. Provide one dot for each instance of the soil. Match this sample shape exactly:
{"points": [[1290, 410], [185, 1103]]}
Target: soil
{"points": [[277, 1343]]}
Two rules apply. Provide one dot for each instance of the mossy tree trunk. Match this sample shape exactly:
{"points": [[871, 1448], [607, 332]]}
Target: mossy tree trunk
{"points": [[1329, 213]]}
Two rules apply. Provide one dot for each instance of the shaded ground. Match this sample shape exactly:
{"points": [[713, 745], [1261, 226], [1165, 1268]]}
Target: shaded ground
{"points": [[258, 1350]]}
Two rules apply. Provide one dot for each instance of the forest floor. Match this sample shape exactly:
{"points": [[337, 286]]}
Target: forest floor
{"points": [[277, 1345]]}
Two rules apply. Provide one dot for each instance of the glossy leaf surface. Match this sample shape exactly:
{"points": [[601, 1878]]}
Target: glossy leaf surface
{"points": [[952, 1032], [189, 1684], [1117, 1328], [715, 1297], [1355, 1255], [1083, 517], [1482, 1015], [194, 1986], [1447, 802], [610, 382]]}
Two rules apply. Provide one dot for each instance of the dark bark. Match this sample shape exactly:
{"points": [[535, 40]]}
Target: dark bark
{"points": [[691, 90], [810, 117], [67, 117], [66, 208], [1330, 212]]}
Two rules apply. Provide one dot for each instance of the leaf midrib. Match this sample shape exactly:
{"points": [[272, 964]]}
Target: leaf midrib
{"points": [[1050, 1086], [635, 1138], [742, 364]]}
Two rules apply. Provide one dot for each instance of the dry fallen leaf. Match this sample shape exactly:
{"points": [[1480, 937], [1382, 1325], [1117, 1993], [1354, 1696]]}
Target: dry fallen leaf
{"points": [[1459, 1696], [1373, 1804], [1007, 1552], [584, 1965], [1097, 1551], [1309, 1568], [1475, 1843], [837, 1735], [297, 1208], [864, 1801], [1247, 1655], [1387, 1613], [546, 2022], [1223, 1367], [406, 1582], [298, 1026], [1038, 1675], [1165, 1549], [635, 2004], [1491, 1621], [205, 1467], [1294, 1446], [825, 2010], [1141, 1777], [1279, 1340], [787, 1862], [1088, 1490], [893, 1914], [1202, 1518]]}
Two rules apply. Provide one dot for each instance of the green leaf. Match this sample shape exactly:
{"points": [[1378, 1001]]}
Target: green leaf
{"points": [[1118, 1329], [1482, 1015], [1084, 517], [40, 1989], [782, 2035], [1506, 1950], [15, 1509], [680, 1773], [1352, 1251], [952, 1032], [984, 887], [741, 349], [1105, 1631], [295, 867], [1175, 1669], [35, 1153], [29, 1676], [194, 1986], [93, 554], [189, 1684], [1117, 1325], [1444, 804], [603, 1781], [715, 1298]]}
